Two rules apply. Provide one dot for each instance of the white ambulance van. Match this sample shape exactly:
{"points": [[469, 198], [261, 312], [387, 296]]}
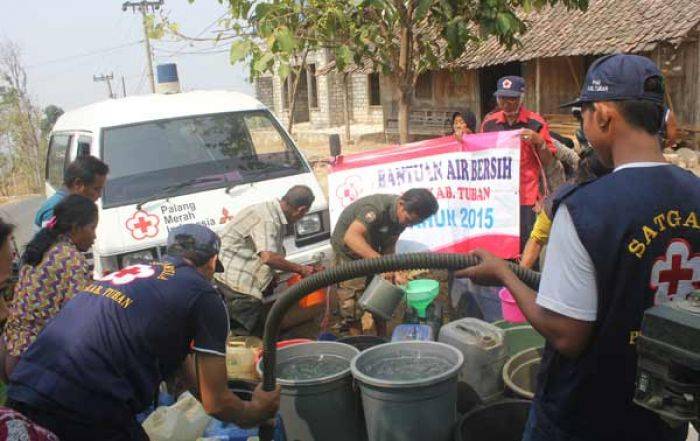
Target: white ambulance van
{"points": [[195, 157]]}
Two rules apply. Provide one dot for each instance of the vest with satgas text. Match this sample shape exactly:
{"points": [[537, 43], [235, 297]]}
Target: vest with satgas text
{"points": [[641, 227]]}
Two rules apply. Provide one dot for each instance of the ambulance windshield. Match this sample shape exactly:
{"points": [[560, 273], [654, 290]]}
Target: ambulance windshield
{"points": [[211, 151]]}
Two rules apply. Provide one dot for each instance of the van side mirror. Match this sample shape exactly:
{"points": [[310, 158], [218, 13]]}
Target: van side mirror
{"points": [[334, 145]]}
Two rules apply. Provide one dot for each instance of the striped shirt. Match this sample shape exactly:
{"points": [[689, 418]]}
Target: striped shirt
{"points": [[260, 227]]}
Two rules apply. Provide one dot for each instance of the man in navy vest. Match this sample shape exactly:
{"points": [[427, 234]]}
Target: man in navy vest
{"points": [[99, 362], [619, 245]]}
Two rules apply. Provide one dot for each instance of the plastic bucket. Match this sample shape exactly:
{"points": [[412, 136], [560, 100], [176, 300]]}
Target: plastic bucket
{"points": [[283, 344], [362, 342], [501, 421], [511, 311], [399, 410], [381, 297], [520, 372], [309, 301], [522, 337], [320, 408], [420, 294]]}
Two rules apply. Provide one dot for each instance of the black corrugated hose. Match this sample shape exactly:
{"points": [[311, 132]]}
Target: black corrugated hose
{"points": [[352, 270]]}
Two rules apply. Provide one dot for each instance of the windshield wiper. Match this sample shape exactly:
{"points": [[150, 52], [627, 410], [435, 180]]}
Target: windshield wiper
{"points": [[168, 191]]}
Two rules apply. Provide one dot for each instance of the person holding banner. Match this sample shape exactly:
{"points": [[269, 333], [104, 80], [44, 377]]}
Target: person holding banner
{"points": [[537, 149], [619, 245], [369, 228]]}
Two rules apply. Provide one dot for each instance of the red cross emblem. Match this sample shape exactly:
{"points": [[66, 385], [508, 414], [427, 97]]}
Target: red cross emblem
{"points": [[676, 273], [225, 216], [129, 274], [142, 225], [349, 191], [507, 83]]}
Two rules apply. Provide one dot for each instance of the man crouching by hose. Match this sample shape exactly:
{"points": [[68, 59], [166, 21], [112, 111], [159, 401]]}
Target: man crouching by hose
{"points": [[368, 228], [619, 245], [99, 362]]}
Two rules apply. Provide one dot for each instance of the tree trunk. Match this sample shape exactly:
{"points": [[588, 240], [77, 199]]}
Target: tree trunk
{"points": [[405, 74], [346, 106], [295, 90], [404, 112]]}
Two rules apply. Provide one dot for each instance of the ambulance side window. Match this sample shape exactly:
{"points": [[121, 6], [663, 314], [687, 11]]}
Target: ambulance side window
{"points": [[58, 159], [267, 140], [84, 143]]}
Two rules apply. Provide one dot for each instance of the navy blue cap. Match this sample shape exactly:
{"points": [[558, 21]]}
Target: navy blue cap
{"points": [[619, 77], [195, 238], [510, 86]]}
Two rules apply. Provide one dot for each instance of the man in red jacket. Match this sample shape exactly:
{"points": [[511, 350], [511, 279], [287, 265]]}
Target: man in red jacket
{"points": [[537, 149]]}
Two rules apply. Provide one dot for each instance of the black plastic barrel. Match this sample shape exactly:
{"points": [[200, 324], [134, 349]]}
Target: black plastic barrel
{"points": [[362, 342], [500, 421]]}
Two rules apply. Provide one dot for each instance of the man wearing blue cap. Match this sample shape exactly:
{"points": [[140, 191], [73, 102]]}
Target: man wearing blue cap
{"points": [[99, 362], [537, 148], [619, 245]]}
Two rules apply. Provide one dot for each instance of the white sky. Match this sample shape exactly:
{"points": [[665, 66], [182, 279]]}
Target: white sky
{"points": [[57, 36]]}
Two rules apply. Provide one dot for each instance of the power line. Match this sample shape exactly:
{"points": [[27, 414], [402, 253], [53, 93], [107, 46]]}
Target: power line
{"points": [[85, 54], [201, 52], [206, 28]]}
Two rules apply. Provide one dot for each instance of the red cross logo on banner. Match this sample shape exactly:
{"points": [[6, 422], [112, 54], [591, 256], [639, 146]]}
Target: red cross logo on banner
{"points": [[675, 274], [129, 274], [225, 216], [142, 225], [350, 190]]}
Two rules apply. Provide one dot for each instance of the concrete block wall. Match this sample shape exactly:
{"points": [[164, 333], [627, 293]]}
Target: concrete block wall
{"points": [[329, 90], [264, 91], [319, 116]]}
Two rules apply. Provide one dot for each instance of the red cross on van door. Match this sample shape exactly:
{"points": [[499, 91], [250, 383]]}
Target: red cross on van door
{"points": [[143, 224]]}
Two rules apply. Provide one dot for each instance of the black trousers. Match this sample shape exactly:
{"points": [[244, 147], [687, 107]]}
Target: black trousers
{"points": [[70, 428], [527, 222]]}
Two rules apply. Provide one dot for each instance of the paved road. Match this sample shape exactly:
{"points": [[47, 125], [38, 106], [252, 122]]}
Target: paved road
{"points": [[21, 213]]}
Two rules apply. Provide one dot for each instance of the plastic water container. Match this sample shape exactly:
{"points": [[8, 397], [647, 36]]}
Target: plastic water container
{"points": [[400, 407], [228, 432], [511, 311], [325, 408], [240, 357], [381, 297], [520, 372], [309, 301], [413, 333], [503, 421], [485, 352]]}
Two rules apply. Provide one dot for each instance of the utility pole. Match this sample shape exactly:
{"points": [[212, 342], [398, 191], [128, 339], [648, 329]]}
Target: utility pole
{"points": [[107, 79], [144, 7], [123, 86]]}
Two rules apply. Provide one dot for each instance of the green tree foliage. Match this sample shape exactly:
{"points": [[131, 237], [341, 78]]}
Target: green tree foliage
{"points": [[399, 38]]}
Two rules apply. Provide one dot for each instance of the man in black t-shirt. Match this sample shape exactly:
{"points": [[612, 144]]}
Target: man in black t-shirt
{"points": [[99, 362]]}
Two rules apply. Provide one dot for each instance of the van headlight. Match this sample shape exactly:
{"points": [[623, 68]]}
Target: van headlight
{"points": [[309, 225], [142, 256]]}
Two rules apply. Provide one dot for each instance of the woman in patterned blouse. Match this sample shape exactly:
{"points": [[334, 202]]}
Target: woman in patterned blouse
{"points": [[53, 270]]}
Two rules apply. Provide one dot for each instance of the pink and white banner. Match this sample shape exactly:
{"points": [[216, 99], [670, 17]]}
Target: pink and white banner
{"points": [[476, 182]]}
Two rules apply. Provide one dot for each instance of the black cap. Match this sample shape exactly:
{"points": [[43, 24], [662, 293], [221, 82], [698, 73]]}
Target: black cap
{"points": [[510, 86], [197, 240], [619, 77]]}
